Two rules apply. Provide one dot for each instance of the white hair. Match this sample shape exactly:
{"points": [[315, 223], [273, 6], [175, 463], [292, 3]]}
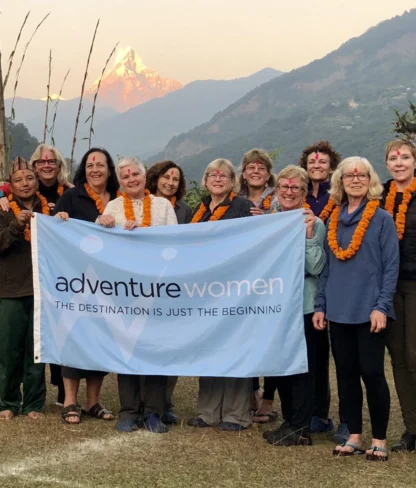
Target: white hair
{"points": [[123, 162]]}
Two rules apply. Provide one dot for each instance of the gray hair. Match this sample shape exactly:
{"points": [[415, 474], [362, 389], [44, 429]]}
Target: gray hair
{"points": [[337, 192], [123, 162]]}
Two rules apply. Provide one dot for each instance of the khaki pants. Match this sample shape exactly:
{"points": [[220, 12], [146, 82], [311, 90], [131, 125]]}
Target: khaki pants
{"points": [[225, 400], [401, 343]]}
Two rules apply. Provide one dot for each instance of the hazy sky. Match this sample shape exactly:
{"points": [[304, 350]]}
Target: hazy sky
{"points": [[182, 39]]}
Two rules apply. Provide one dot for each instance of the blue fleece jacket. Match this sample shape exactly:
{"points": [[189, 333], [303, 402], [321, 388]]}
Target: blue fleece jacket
{"points": [[350, 290]]}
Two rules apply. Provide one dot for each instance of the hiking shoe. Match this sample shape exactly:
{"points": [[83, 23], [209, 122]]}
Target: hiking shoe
{"points": [[127, 425], [286, 435], [406, 443], [231, 427], [153, 423], [318, 425], [342, 434], [169, 417], [197, 422]]}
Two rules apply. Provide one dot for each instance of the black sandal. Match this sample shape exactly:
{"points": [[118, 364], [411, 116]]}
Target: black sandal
{"points": [[71, 411], [98, 411]]}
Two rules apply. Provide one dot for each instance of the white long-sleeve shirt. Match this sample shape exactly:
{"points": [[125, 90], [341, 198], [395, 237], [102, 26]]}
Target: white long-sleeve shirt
{"points": [[162, 212]]}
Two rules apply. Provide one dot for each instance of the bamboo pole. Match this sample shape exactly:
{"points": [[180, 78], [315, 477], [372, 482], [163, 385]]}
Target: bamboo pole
{"points": [[48, 87], [14, 50], [56, 108], [74, 141], [96, 94], [3, 141]]}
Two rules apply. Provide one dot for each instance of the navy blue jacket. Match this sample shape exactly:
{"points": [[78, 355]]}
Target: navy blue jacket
{"points": [[318, 203], [350, 290]]}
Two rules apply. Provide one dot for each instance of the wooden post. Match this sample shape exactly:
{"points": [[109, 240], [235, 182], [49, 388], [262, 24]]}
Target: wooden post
{"points": [[4, 166]]}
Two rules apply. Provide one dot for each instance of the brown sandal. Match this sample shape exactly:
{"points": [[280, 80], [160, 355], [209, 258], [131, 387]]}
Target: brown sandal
{"points": [[98, 411], [71, 411]]}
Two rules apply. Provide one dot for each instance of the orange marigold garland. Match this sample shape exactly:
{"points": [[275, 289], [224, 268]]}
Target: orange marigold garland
{"points": [[402, 210], [327, 210], [147, 208], [306, 205], [172, 201], [359, 233], [96, 198], [267, 201], [16, 210], [60, 190], [218, 213]]}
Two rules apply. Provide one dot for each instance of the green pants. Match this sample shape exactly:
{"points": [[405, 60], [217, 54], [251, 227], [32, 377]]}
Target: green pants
{"points": [[16, 358]]}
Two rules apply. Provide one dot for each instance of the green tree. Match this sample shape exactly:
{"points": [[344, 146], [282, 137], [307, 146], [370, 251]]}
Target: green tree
{"points": [[405, 124], [195, 194], [22, 143]]}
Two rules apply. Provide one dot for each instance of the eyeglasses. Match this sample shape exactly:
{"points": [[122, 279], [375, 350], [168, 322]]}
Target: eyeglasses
{"points": [[350, 176], [221, 176], [43, 162], [286, 188]]}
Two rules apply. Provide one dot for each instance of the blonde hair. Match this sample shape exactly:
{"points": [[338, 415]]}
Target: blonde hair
{"points": [[293, 171], [337, 192], [220, 163], [63, 175], [397, 144], [123, 162]]}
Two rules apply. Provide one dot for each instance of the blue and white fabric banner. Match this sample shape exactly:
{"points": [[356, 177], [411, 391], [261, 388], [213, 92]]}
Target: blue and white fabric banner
{"points": [[211, 299]]}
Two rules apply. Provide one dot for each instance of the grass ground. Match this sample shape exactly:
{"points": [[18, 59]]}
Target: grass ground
{"points": [[48, 453]]}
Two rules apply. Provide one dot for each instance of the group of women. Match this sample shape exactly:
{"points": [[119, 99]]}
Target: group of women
{"points": [[360, 279]]}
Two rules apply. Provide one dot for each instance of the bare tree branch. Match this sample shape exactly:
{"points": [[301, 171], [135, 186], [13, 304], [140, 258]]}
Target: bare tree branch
{"points": [[80, 98], [14, 50], [56, 108], [96, 94]]}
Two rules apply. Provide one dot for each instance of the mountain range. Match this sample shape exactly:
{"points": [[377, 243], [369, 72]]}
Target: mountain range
{"points": [[143, 130], [130, 83], [346, 97]]}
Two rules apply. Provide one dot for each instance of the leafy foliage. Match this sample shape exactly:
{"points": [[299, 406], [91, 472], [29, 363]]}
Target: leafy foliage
{"points": [[405, 124], [195, 194], [22, 143]]}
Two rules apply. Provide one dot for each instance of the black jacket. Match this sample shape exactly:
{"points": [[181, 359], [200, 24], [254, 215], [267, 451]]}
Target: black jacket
{"points": [[239, 207], [77, 203], [183, 212], [408, 243], [50, 192]]}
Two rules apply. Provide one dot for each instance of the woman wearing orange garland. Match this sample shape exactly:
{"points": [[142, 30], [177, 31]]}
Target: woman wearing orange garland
{"points": [[400, 202], [136, 207], [95, 185], [356, 292], [222, 402]]}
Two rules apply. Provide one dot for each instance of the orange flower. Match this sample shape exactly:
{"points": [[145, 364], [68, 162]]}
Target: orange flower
{"points": [[16, 210], [266, 202], [95, 197], [147, 208], [219, 212], [306, 204], [359, 233], [402, 210], [327, 210], [60, 190], [173, 201]]}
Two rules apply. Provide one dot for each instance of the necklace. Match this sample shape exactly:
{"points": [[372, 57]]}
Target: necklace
{"points": [[218, 213]]}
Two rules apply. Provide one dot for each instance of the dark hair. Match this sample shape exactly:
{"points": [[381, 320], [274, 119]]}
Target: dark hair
{"points": [[322, 147], [112, 182], [159, 169]]}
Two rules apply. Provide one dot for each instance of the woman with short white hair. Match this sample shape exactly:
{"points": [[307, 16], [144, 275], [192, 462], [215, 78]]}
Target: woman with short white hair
{"points": [[356, 292], [136, 207]]}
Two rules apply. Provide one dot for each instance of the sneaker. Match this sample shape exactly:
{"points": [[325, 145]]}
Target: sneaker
{"points": [[128, 425], [406, 443], [197, 422], [318, 425], [231, 427], [342, 434], [153, 423], [169, 417]]}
